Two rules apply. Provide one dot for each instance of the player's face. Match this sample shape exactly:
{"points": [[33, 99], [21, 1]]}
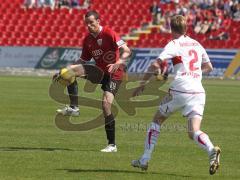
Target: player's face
{"points": [[92, 24]]}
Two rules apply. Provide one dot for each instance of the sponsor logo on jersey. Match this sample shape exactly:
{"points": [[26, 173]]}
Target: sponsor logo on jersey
{"points": [[109, 57], [97, 52]]}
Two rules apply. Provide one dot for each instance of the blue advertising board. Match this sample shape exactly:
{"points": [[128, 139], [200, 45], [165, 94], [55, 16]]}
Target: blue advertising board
{"points": [[143, 57]]}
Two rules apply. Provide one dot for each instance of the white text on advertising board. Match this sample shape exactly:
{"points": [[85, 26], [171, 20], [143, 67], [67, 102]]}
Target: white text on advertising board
{"points": [[70, 55]]}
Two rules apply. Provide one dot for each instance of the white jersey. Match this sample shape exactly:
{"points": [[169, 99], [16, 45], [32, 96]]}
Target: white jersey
{"points": [[187, 57]]}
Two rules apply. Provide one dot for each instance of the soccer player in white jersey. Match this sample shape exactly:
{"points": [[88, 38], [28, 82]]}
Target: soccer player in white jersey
{"points": [[186, 92]]}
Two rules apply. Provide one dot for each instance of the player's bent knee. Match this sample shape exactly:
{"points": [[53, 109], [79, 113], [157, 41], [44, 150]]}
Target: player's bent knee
{"points": [[77, 69]]}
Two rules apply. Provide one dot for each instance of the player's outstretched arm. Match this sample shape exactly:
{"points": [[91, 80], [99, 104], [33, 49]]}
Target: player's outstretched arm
{"points": [[151, 71]]}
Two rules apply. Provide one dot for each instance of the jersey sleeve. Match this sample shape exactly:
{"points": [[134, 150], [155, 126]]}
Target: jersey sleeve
{"points": [[118, 42], [205, 57], [168, 52], [86, 54]]}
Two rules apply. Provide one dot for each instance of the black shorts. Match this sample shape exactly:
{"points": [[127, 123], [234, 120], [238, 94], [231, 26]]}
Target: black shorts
{"points": [[109, 84], [97, 76]]}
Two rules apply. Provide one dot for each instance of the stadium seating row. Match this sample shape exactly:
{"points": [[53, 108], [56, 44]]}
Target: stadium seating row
{"points": [[64, 27]]}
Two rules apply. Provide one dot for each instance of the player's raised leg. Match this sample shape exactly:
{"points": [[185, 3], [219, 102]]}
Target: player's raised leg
{"points": [[203, 141], [150, 141], [72, 109]]}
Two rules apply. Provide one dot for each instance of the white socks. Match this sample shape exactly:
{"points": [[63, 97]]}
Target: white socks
{"points": [[203, 141], [153, 132], [151, 140]]}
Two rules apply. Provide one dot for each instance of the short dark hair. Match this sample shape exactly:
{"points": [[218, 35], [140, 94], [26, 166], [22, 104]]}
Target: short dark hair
{"points": [[92, 13]]}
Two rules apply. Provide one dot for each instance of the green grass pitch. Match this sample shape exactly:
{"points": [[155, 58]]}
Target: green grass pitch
{"points": [[32, 147]]}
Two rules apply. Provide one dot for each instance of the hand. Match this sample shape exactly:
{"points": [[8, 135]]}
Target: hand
{"points": [[112, 68], [138, 90]]}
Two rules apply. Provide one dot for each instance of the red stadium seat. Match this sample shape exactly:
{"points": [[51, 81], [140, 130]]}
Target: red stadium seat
{"points": [[16, 34], [62, 24], [30, 41], [4, 41], [47, 41], [28, 28], [57, 42], [21, 41], [237, 44], [65, 42], [13, 42], [43, 34], [52, 35], [39, 42], [76, 42], [61, 35]]}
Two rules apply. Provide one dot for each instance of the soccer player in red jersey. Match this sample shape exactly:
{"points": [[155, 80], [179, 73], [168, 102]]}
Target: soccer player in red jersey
{"points": [[103, 45]]}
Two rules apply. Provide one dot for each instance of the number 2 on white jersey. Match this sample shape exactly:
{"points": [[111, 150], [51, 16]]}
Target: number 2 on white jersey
{"points": [[193, 54]]}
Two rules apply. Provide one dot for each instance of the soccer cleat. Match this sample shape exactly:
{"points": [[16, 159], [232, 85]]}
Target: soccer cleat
{"points": [[139, 164], [68, 111], [214, 160], [110, 148]]}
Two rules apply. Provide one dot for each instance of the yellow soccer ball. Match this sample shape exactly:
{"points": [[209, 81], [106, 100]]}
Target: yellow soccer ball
{"points": [[159, 77], [67, 77]]}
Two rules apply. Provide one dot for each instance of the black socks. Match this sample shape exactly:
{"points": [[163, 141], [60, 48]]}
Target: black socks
{"points": [[73, 94], [110, 129]]}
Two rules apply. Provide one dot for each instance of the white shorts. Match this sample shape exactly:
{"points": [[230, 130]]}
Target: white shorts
{"points": [[189, 103]]}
